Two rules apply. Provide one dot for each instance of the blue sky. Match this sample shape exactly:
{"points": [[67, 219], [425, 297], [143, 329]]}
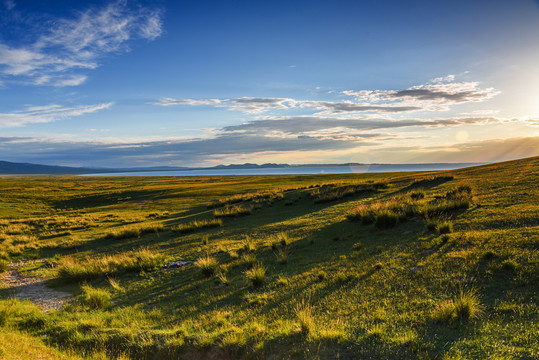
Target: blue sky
{"points": [[181, 83]]}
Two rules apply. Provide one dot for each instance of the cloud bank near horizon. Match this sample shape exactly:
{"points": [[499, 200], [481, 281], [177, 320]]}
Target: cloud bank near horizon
{"points": [[239, 148]]}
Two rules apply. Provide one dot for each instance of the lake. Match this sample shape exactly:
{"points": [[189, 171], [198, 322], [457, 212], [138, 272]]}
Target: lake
{"points": [[294, 170]]}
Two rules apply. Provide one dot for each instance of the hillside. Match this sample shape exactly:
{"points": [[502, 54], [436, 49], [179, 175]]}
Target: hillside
{"points": [[438, 265]]}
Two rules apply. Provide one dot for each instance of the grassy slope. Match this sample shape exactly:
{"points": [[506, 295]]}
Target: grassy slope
{"points": [[346, 288]]}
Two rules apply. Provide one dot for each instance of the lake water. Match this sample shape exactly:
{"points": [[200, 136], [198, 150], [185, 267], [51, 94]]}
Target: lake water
{"points": [[298, 170]]}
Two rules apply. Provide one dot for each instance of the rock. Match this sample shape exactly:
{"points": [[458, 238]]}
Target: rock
{"points": [[177, 264], [50, 265]]}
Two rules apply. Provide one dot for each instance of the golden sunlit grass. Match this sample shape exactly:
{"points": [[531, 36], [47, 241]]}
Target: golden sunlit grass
{"points": [[394, 266]]}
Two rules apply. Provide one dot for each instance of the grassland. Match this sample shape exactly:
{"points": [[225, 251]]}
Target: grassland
{"points": [[372, 266]]}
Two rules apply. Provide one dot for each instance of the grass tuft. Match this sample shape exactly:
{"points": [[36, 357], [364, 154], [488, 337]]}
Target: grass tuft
{"points": [[417, 194], [95, 298], [509, 265], [233, 211], [3, 265], [248, 260], [76, 270], [464, 306], [385, 220], [282, 256], [467, 305], [257, 275], [197, 225], [445, 228], [305, 315], [208, 265], [248, 244]]}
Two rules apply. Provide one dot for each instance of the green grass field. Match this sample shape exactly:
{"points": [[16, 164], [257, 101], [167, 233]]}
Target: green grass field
{"points": [[440, 265]]}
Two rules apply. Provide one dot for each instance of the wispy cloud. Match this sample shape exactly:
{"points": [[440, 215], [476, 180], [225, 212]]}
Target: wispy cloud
{"points": [[251, 105], [330, 107], [305, 124], [192, 102], [78, 43], [48, 113], [9, 4], [258, 105], [436, 95]]}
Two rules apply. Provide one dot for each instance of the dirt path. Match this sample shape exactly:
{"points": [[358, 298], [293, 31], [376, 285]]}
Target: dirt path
{"points": [[30, 288]]}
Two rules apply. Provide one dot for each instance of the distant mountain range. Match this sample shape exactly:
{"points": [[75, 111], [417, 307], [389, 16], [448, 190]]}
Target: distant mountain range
{"points": [[11, 168]]}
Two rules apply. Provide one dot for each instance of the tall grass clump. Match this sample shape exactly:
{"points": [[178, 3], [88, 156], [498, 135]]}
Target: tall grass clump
{"points": [[265, 196], [461, 192], [282, 256], [363, 213], [26, 313], [115, 284], [464, 306], [305, 315], [332, 192], [248, 260], [467, 305], [148, 260], [385, 214], [248, 244], [385, 219], [445, 227], [431, 180], [432, 224], [441, 208], [509, 265], [233, 211], [208, 265], [417, 194], [257, 275], [197, 225], [75, 270], [3, 265], [134, 232], [456, 199], [95, 298]]}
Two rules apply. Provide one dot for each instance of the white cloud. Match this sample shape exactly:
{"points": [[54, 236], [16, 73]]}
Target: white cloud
{"points": [[192, 102], [258, 105], [72, 81], [436, 95], [442, 79], [246, 104], [47, 113], [78, 43]]}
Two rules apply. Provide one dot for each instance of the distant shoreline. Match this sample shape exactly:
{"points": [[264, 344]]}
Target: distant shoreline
{"points": [[290, 170]]}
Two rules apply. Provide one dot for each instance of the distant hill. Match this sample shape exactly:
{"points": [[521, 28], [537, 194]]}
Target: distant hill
{"points": [[11, 168]]}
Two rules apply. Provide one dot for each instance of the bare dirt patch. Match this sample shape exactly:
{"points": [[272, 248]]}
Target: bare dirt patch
{"points": [[24, 287]]}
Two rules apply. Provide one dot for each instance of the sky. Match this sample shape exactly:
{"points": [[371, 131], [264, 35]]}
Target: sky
{"points": [[201, 83]]}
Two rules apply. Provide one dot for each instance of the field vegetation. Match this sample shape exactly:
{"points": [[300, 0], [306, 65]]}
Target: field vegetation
{"points": [[437, 265]]}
